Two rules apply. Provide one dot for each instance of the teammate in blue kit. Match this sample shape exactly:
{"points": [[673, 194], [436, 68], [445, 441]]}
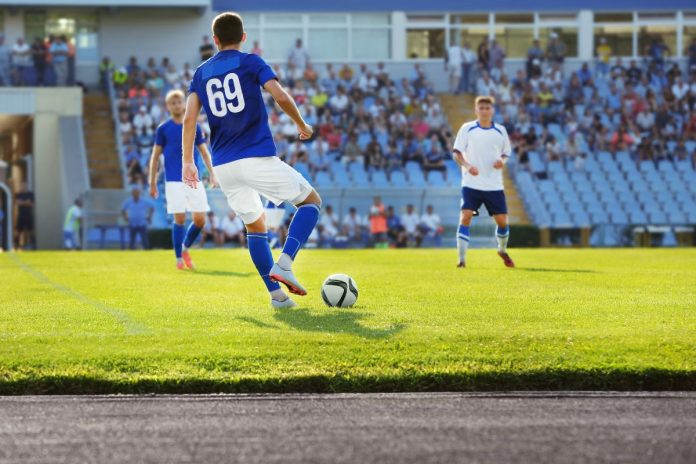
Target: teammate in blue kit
{"points": [[181, 198], [482, 148], [228, 87]]}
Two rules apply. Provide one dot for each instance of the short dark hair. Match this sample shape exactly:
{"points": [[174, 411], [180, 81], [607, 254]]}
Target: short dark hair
{"points": [[228, 28]]}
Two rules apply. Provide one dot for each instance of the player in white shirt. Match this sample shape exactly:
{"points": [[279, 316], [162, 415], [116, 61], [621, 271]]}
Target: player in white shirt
{"points": [[482, 148]]}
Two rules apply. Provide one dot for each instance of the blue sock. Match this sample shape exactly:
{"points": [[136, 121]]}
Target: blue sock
{"points": [[300, 228], [502, 232], [262, 257], [191, 235], [177, 238], [464, 230]]}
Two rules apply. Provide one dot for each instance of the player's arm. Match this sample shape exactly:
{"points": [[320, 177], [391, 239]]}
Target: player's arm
{"points": [[189, 170], [287, 104], [205, 154], [461, 159], [154, 168]]}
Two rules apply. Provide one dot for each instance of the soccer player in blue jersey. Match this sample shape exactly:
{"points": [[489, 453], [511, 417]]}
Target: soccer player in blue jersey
{"points": [[181, 198], [482, 148], [228, 87]]}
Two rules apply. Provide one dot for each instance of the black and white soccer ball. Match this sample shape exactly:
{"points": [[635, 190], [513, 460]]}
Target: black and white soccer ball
{"points": [[339, 290]]}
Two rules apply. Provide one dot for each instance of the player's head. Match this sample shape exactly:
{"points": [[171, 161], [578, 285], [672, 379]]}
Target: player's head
{"points": [[228, 30], [483, 105], [175, 102]]}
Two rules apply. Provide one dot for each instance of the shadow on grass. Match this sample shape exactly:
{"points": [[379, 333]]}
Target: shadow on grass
{"points": [[256, 322], [223, 273], [543, 269], [407, 381], [340, 321]]}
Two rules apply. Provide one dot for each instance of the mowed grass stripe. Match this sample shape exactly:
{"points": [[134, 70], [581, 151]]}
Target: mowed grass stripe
{"points": [[565, 319]]}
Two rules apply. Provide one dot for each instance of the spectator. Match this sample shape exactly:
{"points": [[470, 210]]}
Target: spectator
{"points": [[59, 52], [691, 53], [555, 50], [233, 229], [38, 52], [584, 74], [603, 56], [328, 226], [339, 102], [353, 225], [431, 225], [483, 54], [453, 66], [680, 89], [468, 60], [256, 49], [5, 61], [535, 57], [24, 200], [393, 161], [207, 49], [212, 231], [352, 152], [72, 226], [21, 60], [394, 228], [137, 212], [497, 55], [656, 51], [378, 223], [410, 221], [299, 57], [142, 120], [434, 158], [553, 149]]}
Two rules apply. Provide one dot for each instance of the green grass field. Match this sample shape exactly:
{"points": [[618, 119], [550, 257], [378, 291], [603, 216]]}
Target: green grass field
{"points": [[107, 322]]}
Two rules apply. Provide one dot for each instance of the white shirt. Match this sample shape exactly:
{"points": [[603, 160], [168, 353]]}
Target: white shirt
{"points": [[353, 222], [410, 222], [482, 148], [468, 55], [329, 223], [454, 56], [431, 221], [231, 226], [141, 120], [339, 102], [21, 57]]}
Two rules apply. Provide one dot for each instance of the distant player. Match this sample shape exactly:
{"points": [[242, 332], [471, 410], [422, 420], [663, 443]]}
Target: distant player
{"points": [[228, 86], [482, 148], [181, 198], [71, 226]]}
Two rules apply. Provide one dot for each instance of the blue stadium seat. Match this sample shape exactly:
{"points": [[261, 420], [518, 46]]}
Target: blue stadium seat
{"points": [[637, 217], [398, 179], [647, 166], [677, 217], [618, 217], [322, 179], [379, 179], [360, 178], [657, 217], [416, 178]]}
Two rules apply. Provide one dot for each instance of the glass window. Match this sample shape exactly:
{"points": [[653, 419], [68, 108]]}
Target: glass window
{"points": [[323, 19], [656, 15], [283, 20], [648, 34], [371, 20], [2, 21], [371, 44], [471, 35], [619, 38], [469, 19], [567, 35], [514, 18], [556, 17], [426, 18], [278, 42], [425, 43], [689, 36], [34, 25], [328, 44], [515, 41], [613, 17], [251, 20]]}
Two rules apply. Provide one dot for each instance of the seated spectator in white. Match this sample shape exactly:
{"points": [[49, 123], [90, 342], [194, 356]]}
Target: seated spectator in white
{"points": [[339, 102], [398, 120], [142, 120], [485, 85], [125, 126], [680, 88], [328, 225], [645, 121], [553, 149], [233, 229], [410, 222], [353, 224], [212, 231], [171, 76], [431, 223]]}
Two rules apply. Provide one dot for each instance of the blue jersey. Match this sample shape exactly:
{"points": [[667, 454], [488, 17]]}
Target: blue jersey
{"points": [[168, 137], [229, 88]]}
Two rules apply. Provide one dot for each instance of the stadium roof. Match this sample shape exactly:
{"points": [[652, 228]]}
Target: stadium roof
{"points": [[452, 5], [111, 3]]}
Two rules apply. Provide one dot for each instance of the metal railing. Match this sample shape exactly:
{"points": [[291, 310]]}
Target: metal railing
{"points": [[117, 127]]}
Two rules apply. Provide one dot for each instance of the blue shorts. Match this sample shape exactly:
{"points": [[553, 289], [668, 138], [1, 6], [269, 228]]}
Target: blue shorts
{"points": [[494, 200]]}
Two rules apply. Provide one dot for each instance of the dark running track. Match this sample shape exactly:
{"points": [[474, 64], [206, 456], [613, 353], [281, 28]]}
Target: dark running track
{"points": [[352, 428]]}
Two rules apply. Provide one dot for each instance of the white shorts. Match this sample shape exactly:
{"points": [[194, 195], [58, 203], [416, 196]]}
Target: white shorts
{"points": [[245, 180], [181, 198], [454, 70]]}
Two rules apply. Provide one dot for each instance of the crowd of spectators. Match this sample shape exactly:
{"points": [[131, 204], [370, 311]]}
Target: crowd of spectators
{"points": [[44, 62]]}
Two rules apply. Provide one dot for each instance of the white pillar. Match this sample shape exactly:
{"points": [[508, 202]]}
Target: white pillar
{"points": [[585, 35], [398, 35]]}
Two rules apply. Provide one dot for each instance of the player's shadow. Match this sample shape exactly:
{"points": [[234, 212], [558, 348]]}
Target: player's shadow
{"points": [[256, 322], [543, 269], [218, 273], [339, 321]]}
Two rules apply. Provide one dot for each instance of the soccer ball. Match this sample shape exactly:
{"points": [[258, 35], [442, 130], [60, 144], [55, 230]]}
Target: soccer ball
{"points": [[339, 290]]}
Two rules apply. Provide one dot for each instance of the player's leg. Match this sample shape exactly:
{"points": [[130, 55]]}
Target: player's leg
{"points": [[463, 235], [194, 230], [497, 207], [178, 231], [196, 201]]}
